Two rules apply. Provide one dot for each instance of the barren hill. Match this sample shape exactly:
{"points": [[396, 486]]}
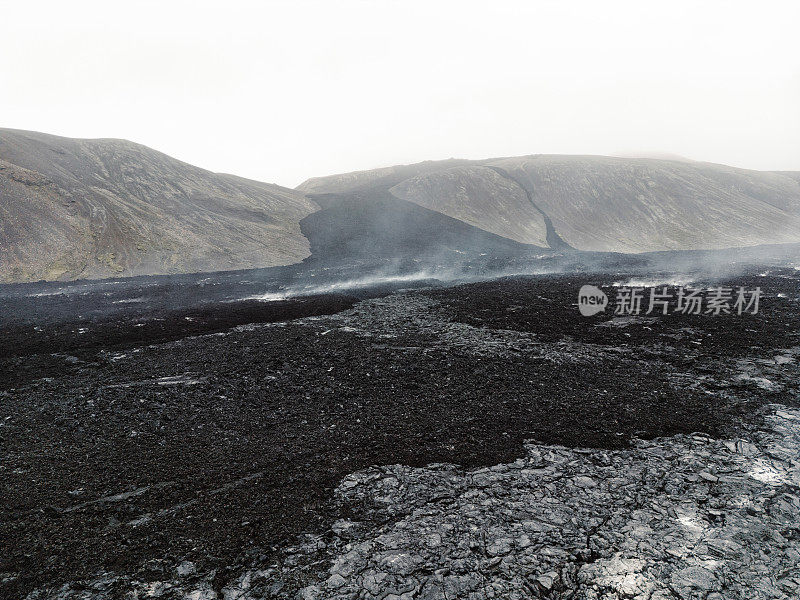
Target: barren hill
{"points": [[596, 203], [73, 208]]}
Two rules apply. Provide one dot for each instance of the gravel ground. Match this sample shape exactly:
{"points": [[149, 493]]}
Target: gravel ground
{"points": [[476, 441]]}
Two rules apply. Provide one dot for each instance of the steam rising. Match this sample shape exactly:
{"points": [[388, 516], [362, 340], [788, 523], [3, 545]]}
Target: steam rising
{"points": [[338, 286], [672, 269]]}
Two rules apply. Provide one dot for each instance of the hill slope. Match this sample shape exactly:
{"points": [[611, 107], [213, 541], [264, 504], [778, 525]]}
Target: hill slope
{"points": [[74, 208], [596, 203]]}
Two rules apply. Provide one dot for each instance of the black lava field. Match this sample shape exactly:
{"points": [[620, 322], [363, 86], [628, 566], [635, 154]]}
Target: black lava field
{"points": [[139, 429]]}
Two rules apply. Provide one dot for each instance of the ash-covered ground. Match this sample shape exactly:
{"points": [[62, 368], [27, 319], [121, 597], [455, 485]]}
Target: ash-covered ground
{"points": [[482, 440]]}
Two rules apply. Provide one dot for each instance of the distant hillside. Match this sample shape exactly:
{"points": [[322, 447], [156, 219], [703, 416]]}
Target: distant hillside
{"points": [[596, 203], [74, 208]]}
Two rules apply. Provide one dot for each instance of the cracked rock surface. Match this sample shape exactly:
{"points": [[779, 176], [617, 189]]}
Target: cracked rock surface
{"points": [[681, 517]]}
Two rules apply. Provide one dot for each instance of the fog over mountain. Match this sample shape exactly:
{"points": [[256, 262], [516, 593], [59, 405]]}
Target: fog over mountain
{"points": [[597, 203], [72, 208]]}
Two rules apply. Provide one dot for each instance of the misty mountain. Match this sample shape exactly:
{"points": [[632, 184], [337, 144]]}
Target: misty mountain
{"points": [[72, 208], [595, 203]]}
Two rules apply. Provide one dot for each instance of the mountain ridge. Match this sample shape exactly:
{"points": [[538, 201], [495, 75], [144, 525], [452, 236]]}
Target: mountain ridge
{"points": [[96, 208], [614, 204]]}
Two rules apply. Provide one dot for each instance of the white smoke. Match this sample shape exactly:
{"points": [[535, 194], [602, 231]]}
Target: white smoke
{"points": [[338, 286]]}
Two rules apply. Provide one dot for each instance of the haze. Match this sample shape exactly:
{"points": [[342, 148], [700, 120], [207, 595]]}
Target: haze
{"points": [[283, 91]]}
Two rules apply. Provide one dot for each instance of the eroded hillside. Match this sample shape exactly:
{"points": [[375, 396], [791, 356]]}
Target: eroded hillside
{"points": [[98, 208], [597, 203]]}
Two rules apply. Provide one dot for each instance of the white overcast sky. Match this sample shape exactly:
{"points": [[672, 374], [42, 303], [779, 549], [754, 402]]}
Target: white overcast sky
{"points": [[285, 90]]}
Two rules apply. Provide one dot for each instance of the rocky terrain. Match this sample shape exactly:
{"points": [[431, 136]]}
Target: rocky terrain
{"points": [[476, 441], [379, 386], [74, 209]]}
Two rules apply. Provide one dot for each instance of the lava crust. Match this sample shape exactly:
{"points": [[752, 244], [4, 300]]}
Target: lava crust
{"points": [[221, 446]]}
